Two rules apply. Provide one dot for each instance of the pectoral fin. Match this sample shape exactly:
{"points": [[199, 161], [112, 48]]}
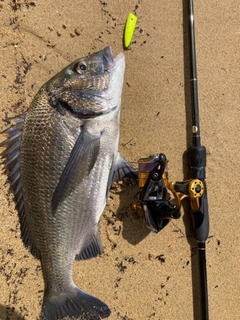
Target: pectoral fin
{"points": [[121, 170], [80, 163]]}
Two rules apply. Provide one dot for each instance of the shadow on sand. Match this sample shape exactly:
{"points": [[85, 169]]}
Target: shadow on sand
{"points": [[8, 313]]}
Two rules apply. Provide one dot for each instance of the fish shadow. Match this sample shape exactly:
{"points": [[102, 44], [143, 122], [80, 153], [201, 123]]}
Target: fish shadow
{"points": [[9, 313]]}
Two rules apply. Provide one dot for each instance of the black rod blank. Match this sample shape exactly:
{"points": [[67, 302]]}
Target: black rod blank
{"points": [[194, 84], [203, 279]]}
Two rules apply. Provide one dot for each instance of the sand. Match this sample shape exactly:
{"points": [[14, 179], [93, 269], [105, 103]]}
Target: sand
{"points": [[39, 38]]}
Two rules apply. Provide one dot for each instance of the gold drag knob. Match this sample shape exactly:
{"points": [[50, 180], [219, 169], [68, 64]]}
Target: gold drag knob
{"points": [[196, 188]]}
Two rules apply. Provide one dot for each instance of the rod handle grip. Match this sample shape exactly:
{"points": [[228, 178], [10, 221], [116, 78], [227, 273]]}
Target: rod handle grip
{"points": [[197, 162]]}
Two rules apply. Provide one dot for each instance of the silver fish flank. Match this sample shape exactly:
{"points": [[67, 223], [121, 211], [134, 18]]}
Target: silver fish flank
{"points": [[61, 158]]}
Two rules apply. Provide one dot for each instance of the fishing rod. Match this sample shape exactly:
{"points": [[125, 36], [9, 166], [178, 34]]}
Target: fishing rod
{"points": [[155, 188], [197, 164]]}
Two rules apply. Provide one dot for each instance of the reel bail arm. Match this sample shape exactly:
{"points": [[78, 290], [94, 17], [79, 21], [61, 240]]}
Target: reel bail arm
{"points": [[153, 196]]}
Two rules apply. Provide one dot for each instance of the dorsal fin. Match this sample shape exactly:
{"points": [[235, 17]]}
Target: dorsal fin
{"points": [[11, 158]]}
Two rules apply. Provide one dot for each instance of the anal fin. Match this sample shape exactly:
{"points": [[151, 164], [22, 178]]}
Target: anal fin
{"points": [[92, 250]]}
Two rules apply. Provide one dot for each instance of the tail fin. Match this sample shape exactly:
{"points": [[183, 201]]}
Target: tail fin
{"points": [[73, 305]]}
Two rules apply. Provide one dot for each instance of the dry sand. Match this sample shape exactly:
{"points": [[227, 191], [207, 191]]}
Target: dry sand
{"points": [[38, 38]]}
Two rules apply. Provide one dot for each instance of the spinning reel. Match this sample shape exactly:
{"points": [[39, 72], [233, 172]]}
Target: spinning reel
{"points": [[154, 195]]}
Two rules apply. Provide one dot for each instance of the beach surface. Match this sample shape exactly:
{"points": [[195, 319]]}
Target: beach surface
{"points": [[141, 275]]}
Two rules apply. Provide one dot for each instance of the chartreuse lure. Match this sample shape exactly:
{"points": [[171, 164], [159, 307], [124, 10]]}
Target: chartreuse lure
{"points": [[129, 29]]}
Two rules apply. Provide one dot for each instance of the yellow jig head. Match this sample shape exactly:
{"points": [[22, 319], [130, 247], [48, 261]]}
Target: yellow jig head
{"points": [[129, 29]]}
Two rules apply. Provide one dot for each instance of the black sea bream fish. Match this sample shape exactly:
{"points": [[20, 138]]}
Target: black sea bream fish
{"points": [[62, 157]]}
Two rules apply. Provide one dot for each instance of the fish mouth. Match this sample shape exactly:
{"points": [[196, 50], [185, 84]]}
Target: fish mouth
{"points": [[108, 61], [81, 114]]}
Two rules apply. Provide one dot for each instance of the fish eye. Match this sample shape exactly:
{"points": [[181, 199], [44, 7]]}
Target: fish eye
{"points": [[81, 67]]}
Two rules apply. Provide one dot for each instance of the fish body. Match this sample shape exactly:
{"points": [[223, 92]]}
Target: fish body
{"points": [[62, 157]]}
